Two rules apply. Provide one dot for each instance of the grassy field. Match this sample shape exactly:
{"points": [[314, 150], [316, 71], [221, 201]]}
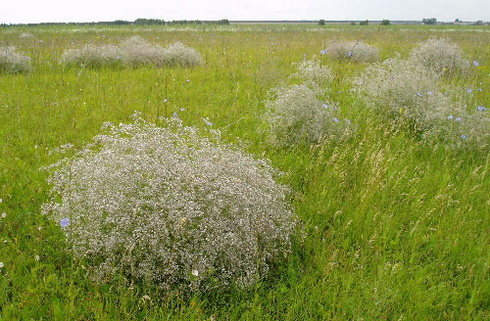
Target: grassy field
{"points": [[395, 229]]}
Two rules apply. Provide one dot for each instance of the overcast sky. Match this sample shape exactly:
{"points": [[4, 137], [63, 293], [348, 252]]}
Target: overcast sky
{"points": [[32, 11]]}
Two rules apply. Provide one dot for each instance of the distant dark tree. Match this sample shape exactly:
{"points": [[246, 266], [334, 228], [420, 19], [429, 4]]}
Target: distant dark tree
{"points": [[224, 22], [385, 22], [321, 22], [364, 23], [479, 23], [121, 22], [457, 20], [144, 21], [429, 21]]}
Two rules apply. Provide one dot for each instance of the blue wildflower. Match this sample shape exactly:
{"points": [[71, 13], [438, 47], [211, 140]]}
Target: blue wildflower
{"points": [[176, 115], [450, 117], [464, 136], [325, 106], [430, 92], [336, 120], [469, 90], [323, 52], [480, 90], [458, 119], [419, 94], [475, 63], [65, 222], [349, 54], [481, 108]]}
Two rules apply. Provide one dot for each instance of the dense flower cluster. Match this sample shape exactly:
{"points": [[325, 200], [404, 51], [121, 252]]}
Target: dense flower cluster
{"points": [[402, 89], [134, 51], [304, 112], [313, 73], [297, 114], [440, 55], [13, 62], [171, 205], [357, 51]]}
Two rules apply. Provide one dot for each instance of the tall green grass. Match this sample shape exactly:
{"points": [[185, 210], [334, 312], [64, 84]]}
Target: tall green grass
{"points": [[394, 229]]}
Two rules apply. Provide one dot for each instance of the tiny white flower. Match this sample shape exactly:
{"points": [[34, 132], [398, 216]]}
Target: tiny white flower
{"points": [[195, 272], [1, 265], [4, 215], [37, 258]]}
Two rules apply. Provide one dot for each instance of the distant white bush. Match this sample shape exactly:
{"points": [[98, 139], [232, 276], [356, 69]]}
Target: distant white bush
{"points": [[137, 51], [93, 56], [171, 206], [134, 51], [440, 55], [12, 62], [296, 113], [357, 51], [178, 54]]}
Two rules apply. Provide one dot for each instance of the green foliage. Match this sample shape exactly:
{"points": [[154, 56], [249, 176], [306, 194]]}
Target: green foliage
{"points": [[364, 22], [393, 227], [429, 21], [385, 22]]}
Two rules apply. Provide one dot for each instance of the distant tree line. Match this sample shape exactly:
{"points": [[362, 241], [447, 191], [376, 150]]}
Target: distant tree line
{"points": [[139, 21]]}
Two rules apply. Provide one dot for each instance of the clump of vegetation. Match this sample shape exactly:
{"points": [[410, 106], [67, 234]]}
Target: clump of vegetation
{"points": [[134, 51], [357, 51], [403, 90], [178, 54], [172, 206], [303, 112], [440, 55], [312, 72], [12, 62], [92, 56], [297, 114]]}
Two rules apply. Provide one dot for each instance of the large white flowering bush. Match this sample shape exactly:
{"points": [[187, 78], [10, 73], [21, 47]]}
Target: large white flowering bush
{"points": [[12, 62], [171, 206], [404, 90], [440, 55], [134, 51]]}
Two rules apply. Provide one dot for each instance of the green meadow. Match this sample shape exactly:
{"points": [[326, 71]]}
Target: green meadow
{"points": [[392, 228]]}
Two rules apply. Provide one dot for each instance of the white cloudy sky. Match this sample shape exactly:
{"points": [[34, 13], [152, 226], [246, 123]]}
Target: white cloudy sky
{"points": [[31, 11]]}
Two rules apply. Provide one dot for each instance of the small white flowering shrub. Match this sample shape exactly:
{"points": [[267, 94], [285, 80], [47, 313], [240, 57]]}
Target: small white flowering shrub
{"points": [[296, 113], [92, 56], [171, 206], [440, 55], [137, 51], [403, 90], [134, 51], [12, 62], [357, 51], [312, 72], [178, 54]]}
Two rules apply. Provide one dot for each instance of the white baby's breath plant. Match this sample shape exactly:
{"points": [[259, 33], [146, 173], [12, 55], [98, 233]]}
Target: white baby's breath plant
{"points": [[357, 51], [171, 205], [12, 62], [440, 55], [297, 114], [134, 51], [404, 90]]}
